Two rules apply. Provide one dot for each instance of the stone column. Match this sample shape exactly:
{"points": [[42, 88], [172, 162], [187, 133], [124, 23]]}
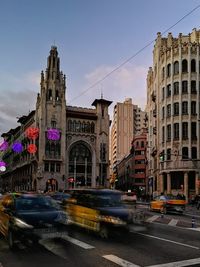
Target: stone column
{"points": [[197, 183], [186, 185], [168, 183]]}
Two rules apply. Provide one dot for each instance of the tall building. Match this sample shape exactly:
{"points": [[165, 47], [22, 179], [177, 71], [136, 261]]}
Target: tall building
{"points": [[77, 152], [173, 108], [128, 120]]}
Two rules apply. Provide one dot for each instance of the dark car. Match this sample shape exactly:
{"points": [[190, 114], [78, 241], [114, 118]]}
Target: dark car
{"points": [[100, 210], [60, 197], [30, 217]]}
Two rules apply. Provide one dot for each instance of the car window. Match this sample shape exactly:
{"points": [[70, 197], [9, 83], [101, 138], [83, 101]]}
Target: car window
{"points": [[36, 203]]}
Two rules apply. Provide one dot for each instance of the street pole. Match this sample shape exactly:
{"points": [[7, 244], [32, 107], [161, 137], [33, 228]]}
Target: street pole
{"points": [[74, 172]]}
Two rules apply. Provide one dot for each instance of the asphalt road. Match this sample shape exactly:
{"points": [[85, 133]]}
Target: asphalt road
{"points": [[159, 245]]}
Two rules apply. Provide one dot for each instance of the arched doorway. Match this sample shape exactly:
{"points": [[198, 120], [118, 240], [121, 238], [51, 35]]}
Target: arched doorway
{"points": [[52, 185], [80, 165]]}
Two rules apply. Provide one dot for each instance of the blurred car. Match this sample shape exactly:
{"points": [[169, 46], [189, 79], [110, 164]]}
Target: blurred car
{"points": [[60, 197], [167, 203], [100, 210], [30, 217], [129, 197]]}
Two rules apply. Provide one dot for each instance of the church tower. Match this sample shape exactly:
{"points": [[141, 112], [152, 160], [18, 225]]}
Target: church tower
{"points": [[51, 120]]}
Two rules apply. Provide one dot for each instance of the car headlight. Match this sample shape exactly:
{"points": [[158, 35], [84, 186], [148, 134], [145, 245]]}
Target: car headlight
{"points": [[21, 224], [111, 219]]}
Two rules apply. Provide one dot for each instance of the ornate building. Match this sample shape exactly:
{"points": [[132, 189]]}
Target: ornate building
{"points": [[79, 157], [173, 94]]}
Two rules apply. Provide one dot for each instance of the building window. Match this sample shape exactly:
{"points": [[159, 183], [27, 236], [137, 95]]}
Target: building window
{"points": [[176, 109], [176, 67], [53, 124], [163, 134], [52, 167], [142, 144], [184, 130], [92, 127], [57, 167], [46, 167], [193, 87], [194, 153], [57, 95], [184, 66], [163, 72], [193, 108], [169, 110], [163, 112], [184, 87], [49, 96], [168, 90], [168, 70], [185, 153], [176, 88], [193, 65], [194, 131], [163, 93], [169, 154], [169, 132], [70, 128], [176, 131], [184, 108]]}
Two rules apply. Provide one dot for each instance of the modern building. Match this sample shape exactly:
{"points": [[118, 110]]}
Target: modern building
{"points": [[173, 108], [128, 120], [77, 156]]}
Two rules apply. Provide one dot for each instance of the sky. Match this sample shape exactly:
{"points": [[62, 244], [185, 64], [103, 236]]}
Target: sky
{"points": [[93, 37]]}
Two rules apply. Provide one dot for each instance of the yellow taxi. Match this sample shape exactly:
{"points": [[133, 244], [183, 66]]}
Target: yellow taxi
{"points": [[167, 203], [100, 210]]}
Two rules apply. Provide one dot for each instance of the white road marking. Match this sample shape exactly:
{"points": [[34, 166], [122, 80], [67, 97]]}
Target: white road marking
{"points": [[77, 242], [178, 263], [167, 240], [195, 229], [173, 222], [153, 218], [119, 261]]}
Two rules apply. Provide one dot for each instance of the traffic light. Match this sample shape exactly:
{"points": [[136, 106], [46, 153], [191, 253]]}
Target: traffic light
{"points": [[161, 155]]}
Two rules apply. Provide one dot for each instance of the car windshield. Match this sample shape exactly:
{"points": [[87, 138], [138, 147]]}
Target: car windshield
{"points": [[35, 203], [108, 200]]}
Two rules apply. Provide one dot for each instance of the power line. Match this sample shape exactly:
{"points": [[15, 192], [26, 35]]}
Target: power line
{"points": [[133, 56]]}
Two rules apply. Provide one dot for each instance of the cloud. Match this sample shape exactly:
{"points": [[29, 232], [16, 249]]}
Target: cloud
{"points": [[18, 97], [127, 82]]}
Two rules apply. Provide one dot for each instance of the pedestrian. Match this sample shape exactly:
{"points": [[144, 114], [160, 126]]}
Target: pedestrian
{"points": [[198, 202]]}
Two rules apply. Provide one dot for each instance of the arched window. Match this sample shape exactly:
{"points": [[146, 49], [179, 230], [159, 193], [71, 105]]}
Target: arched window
{"points": [[83, 126], [69, 125], [193, 65], [47, 148], [88, 127], [80, 164], [194, 153], [92, 127], [74, 126], [49, 95], [163, 72], [176, 67], [169, 154], [184, 65], [168, 70]]}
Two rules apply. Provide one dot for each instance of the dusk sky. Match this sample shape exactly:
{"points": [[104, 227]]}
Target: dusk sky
{"points": [[93, 37]]}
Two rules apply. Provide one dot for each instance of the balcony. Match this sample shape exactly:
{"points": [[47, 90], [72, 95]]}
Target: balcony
{"points": [[180, 165]]}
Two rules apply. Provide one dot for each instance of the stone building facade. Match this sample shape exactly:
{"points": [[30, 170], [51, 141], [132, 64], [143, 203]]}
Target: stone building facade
{"points": [[80, 157], [173, 94]]}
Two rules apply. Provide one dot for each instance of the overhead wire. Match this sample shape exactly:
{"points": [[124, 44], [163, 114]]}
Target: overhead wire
{"points": [[133, 56]]}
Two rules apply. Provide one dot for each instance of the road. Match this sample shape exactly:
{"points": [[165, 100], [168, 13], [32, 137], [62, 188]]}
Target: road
{"points": [[159, 245]]}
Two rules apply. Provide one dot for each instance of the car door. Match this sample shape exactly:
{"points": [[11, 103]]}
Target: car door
{"points": [[5, 204]]}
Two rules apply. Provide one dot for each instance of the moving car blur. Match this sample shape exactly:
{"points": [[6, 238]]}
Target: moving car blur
{"points": [[101, 210], [30, 217], [168, 203]]}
